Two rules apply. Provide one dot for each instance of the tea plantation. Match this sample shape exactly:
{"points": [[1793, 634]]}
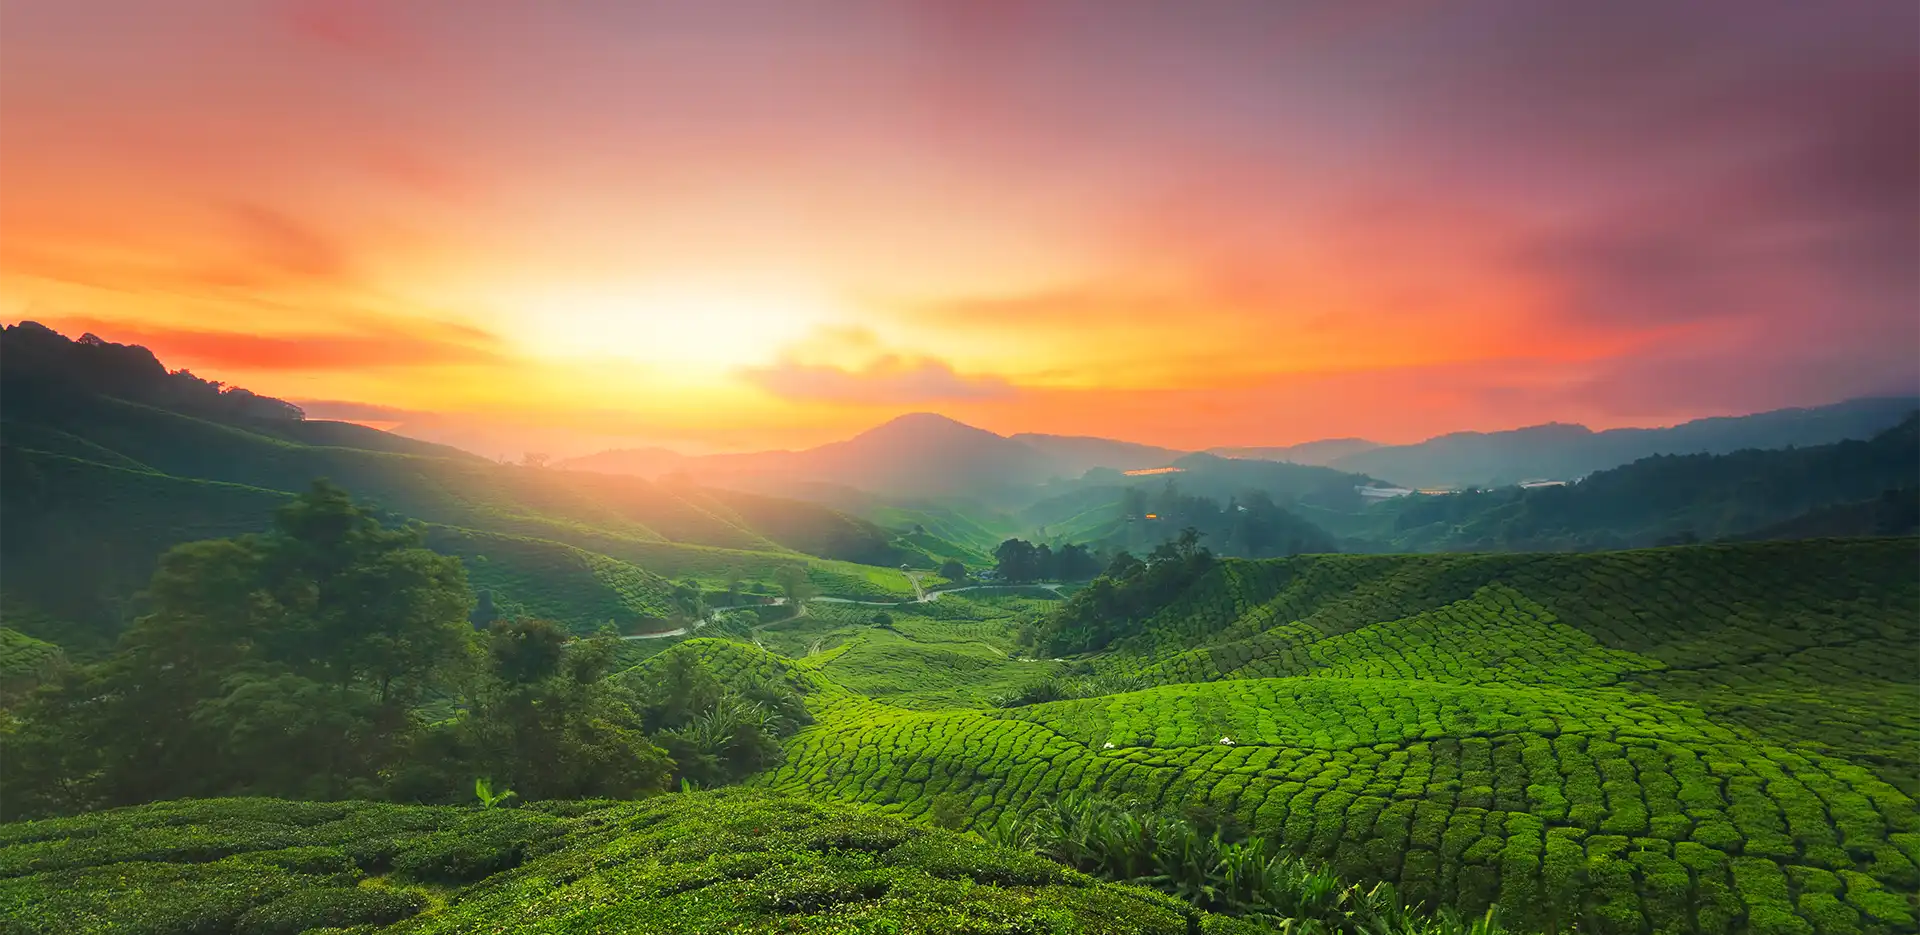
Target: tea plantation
{"points": [[1713, 739], [731, 861]]}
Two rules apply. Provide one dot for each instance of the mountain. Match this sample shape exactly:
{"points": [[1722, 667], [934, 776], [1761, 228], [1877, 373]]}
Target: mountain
{"points": [[915, 455], [1559, 451], [1322, 452]]}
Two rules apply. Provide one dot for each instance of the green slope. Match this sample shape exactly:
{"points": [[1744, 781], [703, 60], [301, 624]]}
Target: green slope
{"points": [[1705, 739], [731, 861], [80, 538]]}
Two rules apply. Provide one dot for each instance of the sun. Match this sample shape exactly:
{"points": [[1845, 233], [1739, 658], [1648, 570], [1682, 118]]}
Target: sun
{"points": [[681, 326]]}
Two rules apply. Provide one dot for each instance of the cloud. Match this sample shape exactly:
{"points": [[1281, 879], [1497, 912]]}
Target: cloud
{"points": [[887, 379]]}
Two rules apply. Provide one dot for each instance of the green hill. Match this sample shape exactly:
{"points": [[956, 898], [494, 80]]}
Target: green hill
{"points": [[1699, 739], [732, 861], [95, 486]]}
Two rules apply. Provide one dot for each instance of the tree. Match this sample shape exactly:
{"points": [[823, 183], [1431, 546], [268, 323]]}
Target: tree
{"points": [[526, 651], [544, 719], [535, 459], [953, 571], [1014, 560], [1075, 563], [289, 663], [793, 579], [689, 599], [484, 613]]}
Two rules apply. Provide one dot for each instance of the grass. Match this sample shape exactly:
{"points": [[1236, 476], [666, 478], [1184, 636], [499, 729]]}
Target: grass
{"points": [[732, 861], [1712, 739]]}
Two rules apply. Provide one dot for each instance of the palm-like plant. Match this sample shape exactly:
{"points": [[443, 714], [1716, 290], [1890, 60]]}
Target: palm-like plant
{"points": [[483, 790]]}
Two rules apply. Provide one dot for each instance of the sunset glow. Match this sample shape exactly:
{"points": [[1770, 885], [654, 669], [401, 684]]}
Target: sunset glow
{"points": [[724, 226]]}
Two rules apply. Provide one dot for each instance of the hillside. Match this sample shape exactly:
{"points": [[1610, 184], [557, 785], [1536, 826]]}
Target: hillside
{"points": [[1689, 740], [1894, 513], [95, 486], [1567, 452], [731, 861], [1750, 494]]}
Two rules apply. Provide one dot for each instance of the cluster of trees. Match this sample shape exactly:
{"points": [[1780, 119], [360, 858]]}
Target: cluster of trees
{"points": [[1250, 525], [1018, 560], [1118, 602], [334, 657]]}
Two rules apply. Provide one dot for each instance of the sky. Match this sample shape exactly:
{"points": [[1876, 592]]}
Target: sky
{"points": [[725, 225]]}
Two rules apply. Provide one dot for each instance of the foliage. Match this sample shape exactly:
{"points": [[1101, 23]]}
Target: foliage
{"points": [[281, 663], [1117, 602], [483, 790], [311, 661], [1211, 864], [25, 663], [717, 709], [798, 586], [1019, 561]]}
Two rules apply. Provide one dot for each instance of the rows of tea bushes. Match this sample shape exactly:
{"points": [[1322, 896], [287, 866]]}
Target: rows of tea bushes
{"points": [[1639, 816], [703, 863], [252, 866], [1562, 736]]}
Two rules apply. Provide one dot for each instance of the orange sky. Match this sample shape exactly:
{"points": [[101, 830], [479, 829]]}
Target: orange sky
{"points": [[735, 225]]}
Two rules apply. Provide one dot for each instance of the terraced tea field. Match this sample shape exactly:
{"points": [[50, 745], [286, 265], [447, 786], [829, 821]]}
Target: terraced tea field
{"points": [[731, 861], [1715, 739]]}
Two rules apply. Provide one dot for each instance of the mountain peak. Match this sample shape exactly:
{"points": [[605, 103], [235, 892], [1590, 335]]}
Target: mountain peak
{"points": [[924, 425]]}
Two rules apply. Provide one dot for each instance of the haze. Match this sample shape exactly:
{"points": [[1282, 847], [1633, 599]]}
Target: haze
{"points": [[739, 225]]}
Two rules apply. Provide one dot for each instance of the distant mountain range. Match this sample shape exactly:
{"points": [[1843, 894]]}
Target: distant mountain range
{"points": [[1848, 488], [1559, 451], [927, 455], [921, 454]]}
